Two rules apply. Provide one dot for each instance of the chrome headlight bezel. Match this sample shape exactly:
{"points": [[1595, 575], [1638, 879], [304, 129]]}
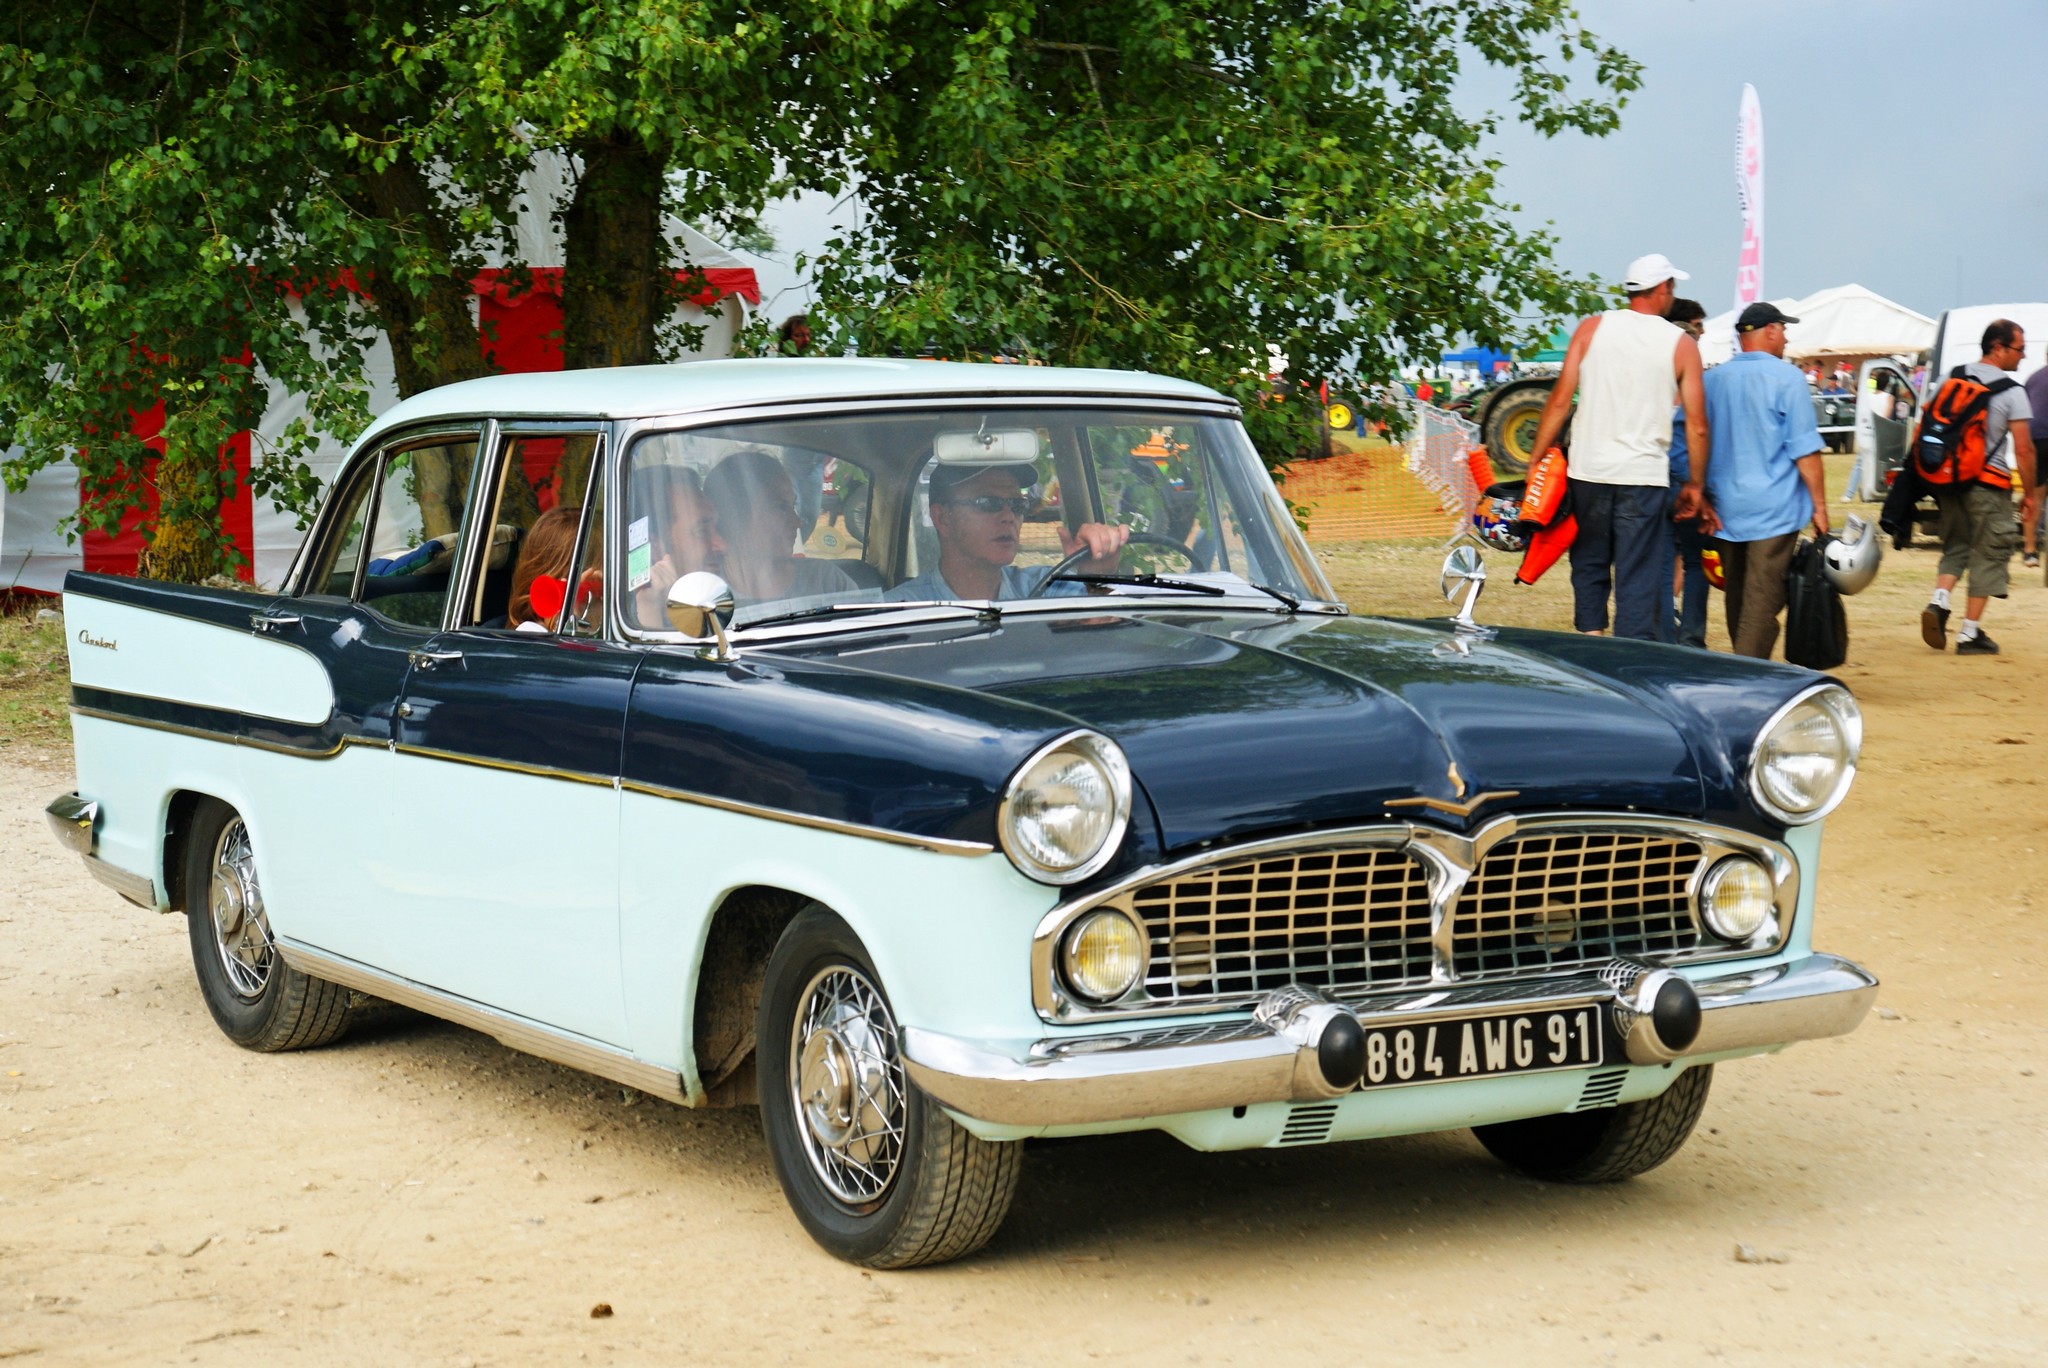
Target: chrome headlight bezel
{"points": [[1107, 757], [1838, 705]]}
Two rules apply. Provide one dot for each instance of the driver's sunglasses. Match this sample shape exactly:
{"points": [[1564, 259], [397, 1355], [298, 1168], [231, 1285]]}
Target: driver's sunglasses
{"points": [[992, 504]]}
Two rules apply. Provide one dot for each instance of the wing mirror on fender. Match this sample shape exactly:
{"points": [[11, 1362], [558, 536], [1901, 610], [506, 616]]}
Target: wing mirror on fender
{"points": [[700, 606], [1465, 566]]}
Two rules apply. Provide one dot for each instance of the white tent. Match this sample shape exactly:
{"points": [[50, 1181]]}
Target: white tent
{"points": [[1842, 321]]}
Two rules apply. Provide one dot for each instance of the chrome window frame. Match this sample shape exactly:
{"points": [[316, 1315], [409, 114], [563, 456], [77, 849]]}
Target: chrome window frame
{"points": [[293, 585], [501, 434], [1452, 858]]}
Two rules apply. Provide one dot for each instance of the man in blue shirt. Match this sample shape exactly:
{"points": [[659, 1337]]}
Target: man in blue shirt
{"points": [[1766, 482]]}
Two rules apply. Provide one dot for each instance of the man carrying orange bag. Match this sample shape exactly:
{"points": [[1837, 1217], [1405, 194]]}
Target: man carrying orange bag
{"points": [[1627, 368]]}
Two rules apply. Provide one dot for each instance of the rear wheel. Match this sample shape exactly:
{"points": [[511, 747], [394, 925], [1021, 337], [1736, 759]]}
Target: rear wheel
{"points": [[876, 1171], [1510, 430], [257, 1000], [1607, 1144]]}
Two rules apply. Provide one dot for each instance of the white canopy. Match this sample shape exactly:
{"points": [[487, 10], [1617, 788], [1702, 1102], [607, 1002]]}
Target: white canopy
{"points": [[1842, 321]]}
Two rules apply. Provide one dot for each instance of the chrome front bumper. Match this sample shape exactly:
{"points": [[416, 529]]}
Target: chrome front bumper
{"points": [[1274, 1057]]}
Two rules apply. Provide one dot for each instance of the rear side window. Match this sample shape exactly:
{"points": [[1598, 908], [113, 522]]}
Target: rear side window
{"points": [[420, 496], [334, 573]]}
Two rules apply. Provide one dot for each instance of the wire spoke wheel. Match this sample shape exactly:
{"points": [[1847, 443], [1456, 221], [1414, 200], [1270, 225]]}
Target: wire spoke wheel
{"points": [[846, 1074], [234, 902]]}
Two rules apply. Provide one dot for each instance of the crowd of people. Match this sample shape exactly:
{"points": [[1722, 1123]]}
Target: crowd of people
{"points": [[1670, 460]]}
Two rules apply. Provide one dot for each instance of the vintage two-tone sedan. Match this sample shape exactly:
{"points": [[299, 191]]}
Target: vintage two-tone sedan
{"points": [[942, 756]]}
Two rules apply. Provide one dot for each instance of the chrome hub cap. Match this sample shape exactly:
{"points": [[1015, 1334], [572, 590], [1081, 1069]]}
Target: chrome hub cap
{"points": [[241, 933], [848, 1085]]}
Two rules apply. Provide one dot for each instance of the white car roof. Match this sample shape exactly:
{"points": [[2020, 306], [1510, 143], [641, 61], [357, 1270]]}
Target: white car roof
{"points": [[649, 391]]}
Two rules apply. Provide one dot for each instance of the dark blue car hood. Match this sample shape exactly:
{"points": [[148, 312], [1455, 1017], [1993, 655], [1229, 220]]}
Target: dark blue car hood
{"points": [[1236, 724]]}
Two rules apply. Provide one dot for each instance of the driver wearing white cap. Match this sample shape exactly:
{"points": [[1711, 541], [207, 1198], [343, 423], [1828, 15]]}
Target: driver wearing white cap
{"points": [[1627, 367]]}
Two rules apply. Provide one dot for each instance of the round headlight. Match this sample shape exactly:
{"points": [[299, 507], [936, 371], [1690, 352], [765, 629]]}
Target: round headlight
{"points": [[1104, 955], [1066, 809], [1807, 755], [1736, 898]]}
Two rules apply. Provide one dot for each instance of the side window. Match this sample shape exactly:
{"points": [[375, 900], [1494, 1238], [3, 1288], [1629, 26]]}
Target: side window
{"points": [[542, 482], [420, 498], [335, 572]]}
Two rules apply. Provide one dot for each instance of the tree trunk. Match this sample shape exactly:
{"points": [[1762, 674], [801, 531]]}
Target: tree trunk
{"points": [[433, 335], [614, 255], [186, 543]]}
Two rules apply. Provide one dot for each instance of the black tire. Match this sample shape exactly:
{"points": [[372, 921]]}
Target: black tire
{"points": [[257, 1000], [1607, 1144], [933, 1193], [1510, 428]]}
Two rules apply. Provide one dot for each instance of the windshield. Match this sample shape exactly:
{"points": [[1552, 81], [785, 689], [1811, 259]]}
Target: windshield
{"points": [[956, 505]]}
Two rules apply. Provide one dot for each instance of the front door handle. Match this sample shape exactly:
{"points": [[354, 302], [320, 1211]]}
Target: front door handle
{"points": [[433, 660], [273, 622]]}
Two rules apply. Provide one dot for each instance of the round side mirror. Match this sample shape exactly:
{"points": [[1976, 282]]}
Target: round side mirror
{"points": [[700, 607], [1463, 566], [1465, 570]]}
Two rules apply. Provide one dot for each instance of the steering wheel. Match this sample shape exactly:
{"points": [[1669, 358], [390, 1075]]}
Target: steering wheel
{"points": [[1135, 539]]}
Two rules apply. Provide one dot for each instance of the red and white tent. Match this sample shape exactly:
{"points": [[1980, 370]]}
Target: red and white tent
{"points": [[520, 331]]}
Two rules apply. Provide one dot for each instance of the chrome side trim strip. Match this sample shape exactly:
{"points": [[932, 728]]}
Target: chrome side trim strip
{"points": [[510, 766], [134, 887], [517, 1033], [209, 734], [940, 844]]}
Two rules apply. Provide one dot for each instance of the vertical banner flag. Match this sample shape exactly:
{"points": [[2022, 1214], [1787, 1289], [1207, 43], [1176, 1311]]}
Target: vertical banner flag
{"points": [[1749, 193]]}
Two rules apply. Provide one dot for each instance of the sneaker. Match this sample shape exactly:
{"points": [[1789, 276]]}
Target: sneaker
{"points": [[1934, 626], [2032, 560], [1980, 644]]}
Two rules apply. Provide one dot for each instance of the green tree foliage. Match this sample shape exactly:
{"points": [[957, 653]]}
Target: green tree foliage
{"points": [[1180, 187], [210, 197]]}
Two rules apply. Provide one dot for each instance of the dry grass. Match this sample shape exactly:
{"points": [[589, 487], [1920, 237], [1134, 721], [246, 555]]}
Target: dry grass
{"points": [[35, 681]]}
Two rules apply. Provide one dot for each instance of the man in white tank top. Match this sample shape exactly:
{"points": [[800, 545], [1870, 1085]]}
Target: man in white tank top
{"points": [[1627, 368]]}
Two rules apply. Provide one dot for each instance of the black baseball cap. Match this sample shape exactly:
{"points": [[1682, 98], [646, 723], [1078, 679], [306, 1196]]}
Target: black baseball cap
{"points": [[1761, 315]]}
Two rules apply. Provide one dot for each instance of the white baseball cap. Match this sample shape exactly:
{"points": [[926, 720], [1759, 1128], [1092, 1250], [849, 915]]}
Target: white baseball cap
{"points": [[1648, 272]]}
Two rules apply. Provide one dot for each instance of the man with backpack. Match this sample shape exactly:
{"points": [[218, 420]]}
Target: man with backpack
{"points": [[1973, 436]]}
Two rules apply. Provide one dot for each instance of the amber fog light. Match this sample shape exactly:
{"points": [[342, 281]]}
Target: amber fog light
{"points": [[1104, 955], [1737, 898]]}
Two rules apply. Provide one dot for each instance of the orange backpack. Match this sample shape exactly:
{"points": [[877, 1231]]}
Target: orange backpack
{"points": [[1949, 445]]}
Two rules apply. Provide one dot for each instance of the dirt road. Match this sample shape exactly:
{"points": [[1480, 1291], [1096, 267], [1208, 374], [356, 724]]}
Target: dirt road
{"points": [[418, 1194]]}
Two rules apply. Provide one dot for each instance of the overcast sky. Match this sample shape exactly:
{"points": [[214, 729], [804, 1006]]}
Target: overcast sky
{"points": [[1897, 151]]}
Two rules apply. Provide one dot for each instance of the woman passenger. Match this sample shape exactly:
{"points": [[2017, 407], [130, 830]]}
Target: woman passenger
{"points": [[756, 506], [543, 571]]}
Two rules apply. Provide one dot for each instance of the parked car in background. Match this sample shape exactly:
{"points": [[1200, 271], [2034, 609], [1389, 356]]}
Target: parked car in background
{"points": [[1171, 843]]}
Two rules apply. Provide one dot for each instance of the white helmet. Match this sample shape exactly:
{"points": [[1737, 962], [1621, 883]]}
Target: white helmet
{"points": [[1850, 560]]}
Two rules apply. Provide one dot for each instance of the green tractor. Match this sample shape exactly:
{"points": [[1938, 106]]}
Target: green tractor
{"points": [[1506, 417]]}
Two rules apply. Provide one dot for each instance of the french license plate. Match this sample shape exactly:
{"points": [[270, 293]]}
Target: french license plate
{"points": [[1483, 1047]]}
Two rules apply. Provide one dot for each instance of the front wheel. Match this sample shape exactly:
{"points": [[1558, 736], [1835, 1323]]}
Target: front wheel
{"points": [[1607, 1144], [257, 1000], [876, 1171]]}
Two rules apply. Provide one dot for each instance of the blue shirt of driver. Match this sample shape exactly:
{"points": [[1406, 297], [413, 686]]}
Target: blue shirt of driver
{"points": [[931, 586]]}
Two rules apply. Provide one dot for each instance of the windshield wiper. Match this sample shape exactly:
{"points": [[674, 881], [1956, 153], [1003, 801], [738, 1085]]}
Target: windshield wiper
{"points": [[1293, 603], [864, 610], [1148, 581]]}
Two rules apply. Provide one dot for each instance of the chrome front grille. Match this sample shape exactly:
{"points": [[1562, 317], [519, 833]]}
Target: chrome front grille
{"points": [[1389, 908], [1548, 899], [1339, 919]]}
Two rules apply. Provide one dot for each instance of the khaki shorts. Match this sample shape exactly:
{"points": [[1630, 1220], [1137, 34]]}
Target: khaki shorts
{"points": [[1979, 532]]}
